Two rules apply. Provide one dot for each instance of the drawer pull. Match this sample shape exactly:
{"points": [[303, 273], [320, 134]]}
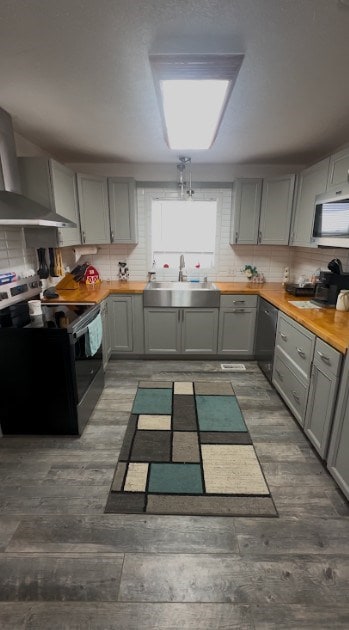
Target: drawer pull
{"points": [[283, 336], [239, 310], [301, 353], [295, 396], [238, 301], [324, 357]]}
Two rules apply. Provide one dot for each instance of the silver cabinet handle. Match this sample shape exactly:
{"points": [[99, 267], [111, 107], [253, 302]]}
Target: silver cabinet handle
{"points": [[259, 236], [83, 237], [266, 312], [338, 192], [238, 301], [236, 237], [283, 336], [238, 310], [179, 316], [295, 396], [112, 237], [324, 357], [301, 353], [279, 374]]}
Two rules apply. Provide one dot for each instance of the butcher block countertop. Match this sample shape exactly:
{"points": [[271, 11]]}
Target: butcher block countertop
{"points": [[330, 325]]}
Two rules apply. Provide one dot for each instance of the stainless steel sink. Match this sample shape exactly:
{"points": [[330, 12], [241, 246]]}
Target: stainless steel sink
{"points": [[181, 294]]}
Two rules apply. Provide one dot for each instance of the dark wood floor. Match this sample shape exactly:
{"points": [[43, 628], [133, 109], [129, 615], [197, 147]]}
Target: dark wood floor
{"points": [[64, 564]]}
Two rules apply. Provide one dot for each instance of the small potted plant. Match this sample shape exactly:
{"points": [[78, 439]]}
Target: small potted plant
{"points": [[249, 271]]}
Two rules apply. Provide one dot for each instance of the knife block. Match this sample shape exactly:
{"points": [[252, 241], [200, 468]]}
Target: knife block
{"points": [[67, 283]]}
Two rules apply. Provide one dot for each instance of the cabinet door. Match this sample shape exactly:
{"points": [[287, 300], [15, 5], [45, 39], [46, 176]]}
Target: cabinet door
{"points": [[311, 182], [338, 173], [162, 330], [199, 330], [121, 323], [236, 331], [319, 414], [66, 202], [106, 339], [94, 209], [54, 186], [245, 211], [338, 459], [122, 207], [276, 210]]}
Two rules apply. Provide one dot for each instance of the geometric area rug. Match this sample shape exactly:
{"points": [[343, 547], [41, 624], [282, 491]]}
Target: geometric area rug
{"points": [[187, 451]]}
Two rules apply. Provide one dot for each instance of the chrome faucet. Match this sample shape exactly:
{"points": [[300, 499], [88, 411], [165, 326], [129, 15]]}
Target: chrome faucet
{"points": [[181, 267]]}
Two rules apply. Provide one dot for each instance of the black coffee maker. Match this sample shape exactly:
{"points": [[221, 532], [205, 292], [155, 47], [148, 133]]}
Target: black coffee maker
{"points": [[330, 283]]}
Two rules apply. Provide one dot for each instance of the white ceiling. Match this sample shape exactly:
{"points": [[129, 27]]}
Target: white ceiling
{"points": [[75, 76]]}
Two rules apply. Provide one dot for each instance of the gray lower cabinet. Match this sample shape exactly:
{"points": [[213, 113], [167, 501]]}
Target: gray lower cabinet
{"points": [[338, 453], [322, 395], [294, 350], [180, 330], [237, 321], [126, 324], [106, 339]]}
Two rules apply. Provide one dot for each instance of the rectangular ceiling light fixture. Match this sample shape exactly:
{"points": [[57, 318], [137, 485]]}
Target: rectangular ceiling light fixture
{"points": [[193, 92]]}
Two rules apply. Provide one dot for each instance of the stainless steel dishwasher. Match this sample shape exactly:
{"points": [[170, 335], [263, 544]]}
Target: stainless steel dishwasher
{"points": [[267, 316]]}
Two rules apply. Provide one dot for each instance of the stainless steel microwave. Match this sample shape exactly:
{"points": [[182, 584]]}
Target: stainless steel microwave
{"points": [[331, 220]]}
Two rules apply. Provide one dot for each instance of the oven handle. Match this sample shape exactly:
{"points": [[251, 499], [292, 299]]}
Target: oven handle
{"points": [[83, 331], [80, 333]]}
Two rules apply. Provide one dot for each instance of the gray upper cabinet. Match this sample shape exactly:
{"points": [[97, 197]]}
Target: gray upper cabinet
{"points": [[53, 185], [262, 210], [311, 182], [338, 173], [246, 210], [94, 209], [276, 210], [122, 208]]}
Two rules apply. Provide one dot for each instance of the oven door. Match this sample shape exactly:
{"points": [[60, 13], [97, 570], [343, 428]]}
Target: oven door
{"points": [[86, 365]]}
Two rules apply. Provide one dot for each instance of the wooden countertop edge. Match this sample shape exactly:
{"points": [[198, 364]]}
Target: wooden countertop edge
{"points": [[273, 292]]}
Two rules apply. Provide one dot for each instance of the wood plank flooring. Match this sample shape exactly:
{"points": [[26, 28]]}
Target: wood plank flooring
{"points": [[64, 564]]}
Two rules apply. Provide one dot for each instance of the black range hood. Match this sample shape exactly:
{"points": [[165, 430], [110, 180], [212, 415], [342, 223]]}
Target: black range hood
{"points": [[16, 209]]}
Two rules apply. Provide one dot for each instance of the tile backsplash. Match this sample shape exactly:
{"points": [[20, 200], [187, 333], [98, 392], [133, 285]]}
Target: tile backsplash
{"points": [[269, 260]]}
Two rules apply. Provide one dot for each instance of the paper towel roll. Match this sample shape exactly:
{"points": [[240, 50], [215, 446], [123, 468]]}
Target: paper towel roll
{"points": [[84, 251]]}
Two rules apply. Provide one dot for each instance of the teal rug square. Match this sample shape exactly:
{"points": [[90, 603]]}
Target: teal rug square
{"points": [[175, 478], [158, 401], [219, 413]]}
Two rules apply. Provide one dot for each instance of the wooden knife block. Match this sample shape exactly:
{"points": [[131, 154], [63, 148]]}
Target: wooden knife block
{"points": [[67, 283]]}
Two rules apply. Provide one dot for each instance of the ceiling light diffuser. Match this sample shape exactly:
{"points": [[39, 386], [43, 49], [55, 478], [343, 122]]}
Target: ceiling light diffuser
{"points": [[193, 91]]}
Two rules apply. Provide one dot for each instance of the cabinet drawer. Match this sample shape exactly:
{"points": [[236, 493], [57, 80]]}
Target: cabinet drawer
{"points": [[327, 358], [238, 301], [289, 385], [297, 342]]}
